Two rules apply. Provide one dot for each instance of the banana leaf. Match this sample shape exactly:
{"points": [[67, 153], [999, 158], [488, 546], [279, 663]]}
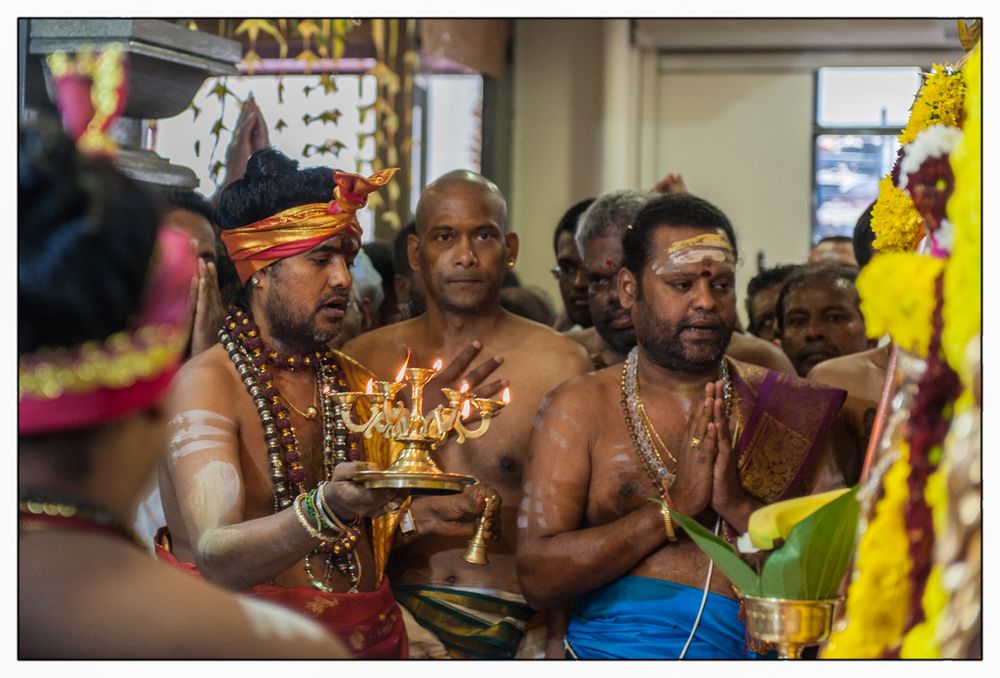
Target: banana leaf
{"points": [[739, 573], [811, 563]]}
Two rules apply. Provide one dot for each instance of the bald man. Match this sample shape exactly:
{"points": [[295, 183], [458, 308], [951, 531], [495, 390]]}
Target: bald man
{"points": [[461, 250]]}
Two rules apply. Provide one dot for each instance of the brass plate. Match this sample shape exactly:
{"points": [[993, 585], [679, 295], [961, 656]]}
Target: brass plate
{"points": [[416, 483]]}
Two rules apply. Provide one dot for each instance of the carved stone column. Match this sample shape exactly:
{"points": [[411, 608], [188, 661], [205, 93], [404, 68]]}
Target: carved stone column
{"points": [[167, 65]]}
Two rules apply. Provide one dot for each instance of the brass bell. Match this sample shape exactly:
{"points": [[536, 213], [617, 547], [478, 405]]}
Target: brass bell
{"points": [[476, 551]]}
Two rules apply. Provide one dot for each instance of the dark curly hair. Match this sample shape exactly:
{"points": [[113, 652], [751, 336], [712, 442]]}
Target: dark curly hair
{"points": [[672, 209], [273, 183]]}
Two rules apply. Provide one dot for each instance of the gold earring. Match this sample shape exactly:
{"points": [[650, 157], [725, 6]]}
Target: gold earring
{"points": [[510, 264], [256, 281]]}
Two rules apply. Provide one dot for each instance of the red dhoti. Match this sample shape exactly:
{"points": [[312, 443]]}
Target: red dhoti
{"points": [[369, 623]]}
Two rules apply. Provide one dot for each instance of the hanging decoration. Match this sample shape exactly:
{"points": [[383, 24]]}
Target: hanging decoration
{"points": [[917, 546]]}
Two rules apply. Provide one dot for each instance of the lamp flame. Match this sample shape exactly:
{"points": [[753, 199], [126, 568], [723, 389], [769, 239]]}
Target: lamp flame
{"points": [[402, 370], [466, 409], [438, 365], [370, 388], [464, 388], [506, 395]]}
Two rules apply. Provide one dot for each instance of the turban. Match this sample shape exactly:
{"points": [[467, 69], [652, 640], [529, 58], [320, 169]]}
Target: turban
{"points": [[299, 229]]}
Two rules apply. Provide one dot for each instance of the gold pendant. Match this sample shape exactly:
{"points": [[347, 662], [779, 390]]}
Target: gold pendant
{"points": [[311, 413]]}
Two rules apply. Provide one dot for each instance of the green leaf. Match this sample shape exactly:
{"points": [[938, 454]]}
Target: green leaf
{"points": [[197, 148], [813, 560], [328, 83], [739, 573], [220, 91], [280, 125]]}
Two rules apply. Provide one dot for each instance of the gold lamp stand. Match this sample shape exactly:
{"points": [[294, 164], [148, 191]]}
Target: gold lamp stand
{"points": [[419, 433]]}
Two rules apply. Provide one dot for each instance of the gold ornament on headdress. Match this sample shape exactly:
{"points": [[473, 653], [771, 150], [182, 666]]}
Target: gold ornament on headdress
{"points": [[106, 72]]}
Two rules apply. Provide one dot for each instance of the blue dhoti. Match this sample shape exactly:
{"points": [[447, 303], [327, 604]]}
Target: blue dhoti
{"points": [[645, 618]]}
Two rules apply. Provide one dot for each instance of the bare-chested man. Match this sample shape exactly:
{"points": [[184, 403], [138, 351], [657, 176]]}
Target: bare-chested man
{"points": [[461, 250], [255, 483], [861, 374], [714, 436]]}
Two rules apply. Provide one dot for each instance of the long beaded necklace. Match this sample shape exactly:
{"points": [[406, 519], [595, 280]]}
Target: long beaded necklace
{"points": [[640, 427], [254, 362], [36, 513]]}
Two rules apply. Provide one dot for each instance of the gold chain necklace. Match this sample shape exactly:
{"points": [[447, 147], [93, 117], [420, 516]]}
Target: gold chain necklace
{"points": [[312, 411]]}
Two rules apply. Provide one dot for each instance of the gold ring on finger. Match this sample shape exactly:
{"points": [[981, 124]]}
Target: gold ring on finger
{"points": [[695, 442]]}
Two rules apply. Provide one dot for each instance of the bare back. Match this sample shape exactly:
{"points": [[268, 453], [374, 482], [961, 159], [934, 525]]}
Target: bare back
{"points": [[536, 359]]}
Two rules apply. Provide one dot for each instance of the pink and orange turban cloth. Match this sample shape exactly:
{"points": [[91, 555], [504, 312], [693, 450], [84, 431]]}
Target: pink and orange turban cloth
{"points": [[299, 229]]}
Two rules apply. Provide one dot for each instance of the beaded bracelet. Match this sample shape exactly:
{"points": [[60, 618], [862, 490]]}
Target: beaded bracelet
{"points": [[300, 515]]}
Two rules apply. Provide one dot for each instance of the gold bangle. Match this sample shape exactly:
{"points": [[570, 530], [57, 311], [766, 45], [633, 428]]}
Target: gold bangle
{"points": [[330, 513], [668, 524], [312, 531]]}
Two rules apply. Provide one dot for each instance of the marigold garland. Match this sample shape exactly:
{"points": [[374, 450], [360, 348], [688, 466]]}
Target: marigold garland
{"points": [[878, 598], [897, 298], [939, 102], [921, 641], [896, 223], [963, 275]]}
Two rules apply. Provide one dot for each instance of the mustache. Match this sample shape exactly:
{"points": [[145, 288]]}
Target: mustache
{"points": [[707, 320], [338, 299], [817, 348]]}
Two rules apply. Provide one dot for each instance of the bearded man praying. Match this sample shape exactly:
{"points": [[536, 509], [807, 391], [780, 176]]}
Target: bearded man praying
{"points": [[712, 436]]}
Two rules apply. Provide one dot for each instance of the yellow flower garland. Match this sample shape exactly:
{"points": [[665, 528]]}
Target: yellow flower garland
{"points": [[962, 313], [878, 598], [938, 102], [897, 297], [962, 316], [897, 225]]}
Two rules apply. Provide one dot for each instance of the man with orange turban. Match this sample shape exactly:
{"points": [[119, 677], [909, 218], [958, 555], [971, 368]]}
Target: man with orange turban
{"points": [[256, 480]]}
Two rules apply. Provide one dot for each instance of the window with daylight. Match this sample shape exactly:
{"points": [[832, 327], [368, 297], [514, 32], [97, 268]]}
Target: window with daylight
{"points": [[859, 114]]}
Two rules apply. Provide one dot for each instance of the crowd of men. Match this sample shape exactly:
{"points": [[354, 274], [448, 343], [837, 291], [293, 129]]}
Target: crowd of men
{"points": [[642, 386]]}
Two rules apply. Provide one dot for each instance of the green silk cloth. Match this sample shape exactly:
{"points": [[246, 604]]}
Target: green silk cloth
{"points": [[470, 624]]}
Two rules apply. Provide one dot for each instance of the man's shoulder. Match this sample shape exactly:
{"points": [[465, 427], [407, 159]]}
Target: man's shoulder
{"points": [[208, 375], [837, 372], [757, 351], [394, 339], [542, 338], [212, 363], [808, 391], [589, 388]]}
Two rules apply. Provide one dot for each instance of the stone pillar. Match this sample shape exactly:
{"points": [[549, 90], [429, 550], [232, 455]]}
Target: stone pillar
{"points": [[167, 65]]}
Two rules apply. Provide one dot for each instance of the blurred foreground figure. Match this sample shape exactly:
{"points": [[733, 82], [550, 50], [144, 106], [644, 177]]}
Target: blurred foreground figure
{"points": [[104, 302]]}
